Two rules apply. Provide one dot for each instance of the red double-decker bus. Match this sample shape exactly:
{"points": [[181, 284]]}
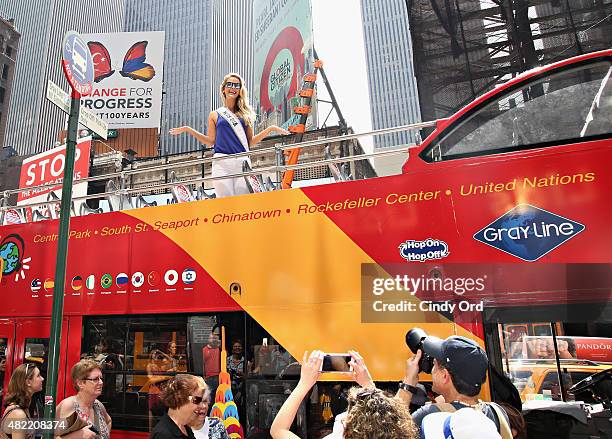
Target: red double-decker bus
{"points": [[519, 178]]}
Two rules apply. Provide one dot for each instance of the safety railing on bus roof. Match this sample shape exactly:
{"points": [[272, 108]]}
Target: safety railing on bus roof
{"points": [[118, 195]]}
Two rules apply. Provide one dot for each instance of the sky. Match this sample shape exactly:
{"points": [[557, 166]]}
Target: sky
{"points": [[338, 40]]}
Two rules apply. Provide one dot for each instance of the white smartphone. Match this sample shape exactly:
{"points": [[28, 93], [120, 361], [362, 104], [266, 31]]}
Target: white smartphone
{"points": [[264, 342], [338, 363]]}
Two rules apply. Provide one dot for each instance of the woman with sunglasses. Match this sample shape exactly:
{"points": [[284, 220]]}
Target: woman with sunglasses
{"points": [[204, 427], [87, 381], [25, 382], [371, 414], [184, 398], [230, 131]]}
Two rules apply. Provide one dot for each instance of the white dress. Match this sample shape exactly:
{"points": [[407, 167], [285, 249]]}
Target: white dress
{"points": [[213, 428], [202, 433]]}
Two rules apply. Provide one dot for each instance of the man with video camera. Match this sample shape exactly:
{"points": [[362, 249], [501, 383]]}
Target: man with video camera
{"points": [[458, 368]]}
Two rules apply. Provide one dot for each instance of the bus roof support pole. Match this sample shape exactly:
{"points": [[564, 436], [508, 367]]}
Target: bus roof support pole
{"points": [[341, 120], [558, 363], [60, 265]]}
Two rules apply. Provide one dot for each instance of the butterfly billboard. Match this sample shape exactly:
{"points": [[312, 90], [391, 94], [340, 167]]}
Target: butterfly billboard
{"points": [[128, 73]]}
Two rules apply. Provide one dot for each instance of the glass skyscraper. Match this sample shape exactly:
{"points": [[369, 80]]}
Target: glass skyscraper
{"points": [[33, 122], [392, 86], [187, 65], [232, 44]]}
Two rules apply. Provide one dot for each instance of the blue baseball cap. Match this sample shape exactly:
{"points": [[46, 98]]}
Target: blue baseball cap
{"points": [[462, 356]]}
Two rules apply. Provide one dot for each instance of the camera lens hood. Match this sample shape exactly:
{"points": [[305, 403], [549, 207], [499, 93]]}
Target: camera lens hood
{"points": [[414, 339]]}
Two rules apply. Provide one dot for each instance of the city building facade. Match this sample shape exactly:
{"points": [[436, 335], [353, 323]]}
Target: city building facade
{"points": [[394, 98], [9, 45], [34, 123], [232, 44], [467, 48], [187, 63]]}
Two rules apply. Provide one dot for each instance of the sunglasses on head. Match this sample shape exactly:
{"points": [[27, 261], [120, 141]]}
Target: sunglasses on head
{"points": [[236, 85], [197, 399], [366, 394]]}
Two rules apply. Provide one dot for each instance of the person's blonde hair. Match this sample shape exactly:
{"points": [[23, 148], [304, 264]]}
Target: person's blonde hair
{"points": [[244, 110], [81, 369], [204, 387], [374, 415]]}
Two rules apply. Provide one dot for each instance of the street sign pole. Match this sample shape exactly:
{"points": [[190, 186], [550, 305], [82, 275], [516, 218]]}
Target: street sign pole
{"points": [[60, 264], [78, 68]]}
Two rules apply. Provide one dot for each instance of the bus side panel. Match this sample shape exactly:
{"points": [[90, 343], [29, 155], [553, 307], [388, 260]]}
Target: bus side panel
{"points": [[295, 258], [73, 354]]}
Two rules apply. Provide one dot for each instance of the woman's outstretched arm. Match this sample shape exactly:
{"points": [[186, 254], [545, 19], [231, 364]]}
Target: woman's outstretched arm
{"points": [[254, 140], [308, 377], [206, 139]]}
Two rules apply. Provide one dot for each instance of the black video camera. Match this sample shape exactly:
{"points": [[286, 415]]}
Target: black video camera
{"points": [[597, 386], [414, 340]]}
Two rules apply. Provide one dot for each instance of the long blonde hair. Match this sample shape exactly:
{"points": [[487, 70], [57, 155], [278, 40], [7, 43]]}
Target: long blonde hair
{"points": [[242, 102]]}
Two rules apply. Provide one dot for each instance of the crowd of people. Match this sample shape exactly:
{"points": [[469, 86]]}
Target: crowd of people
{"points": [[458, 373], [83, 416]]}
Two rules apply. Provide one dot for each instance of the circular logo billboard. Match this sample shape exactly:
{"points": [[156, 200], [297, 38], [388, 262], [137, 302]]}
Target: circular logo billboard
{"points": [[287, 45], [279, 81]]}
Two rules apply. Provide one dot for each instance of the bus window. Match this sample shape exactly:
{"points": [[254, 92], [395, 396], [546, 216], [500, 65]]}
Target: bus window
{"points": [[541, 329], [557, 109], [271, 374], [531, 361], [36, 350], [267, 358], [140, 354]]}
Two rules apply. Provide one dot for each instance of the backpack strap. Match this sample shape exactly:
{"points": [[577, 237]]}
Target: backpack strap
{"points": [[10, 409], [446, 407], [504, 426]]}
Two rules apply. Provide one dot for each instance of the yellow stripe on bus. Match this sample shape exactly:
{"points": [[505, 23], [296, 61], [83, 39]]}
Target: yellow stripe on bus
{"points": [[300, 275]]}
